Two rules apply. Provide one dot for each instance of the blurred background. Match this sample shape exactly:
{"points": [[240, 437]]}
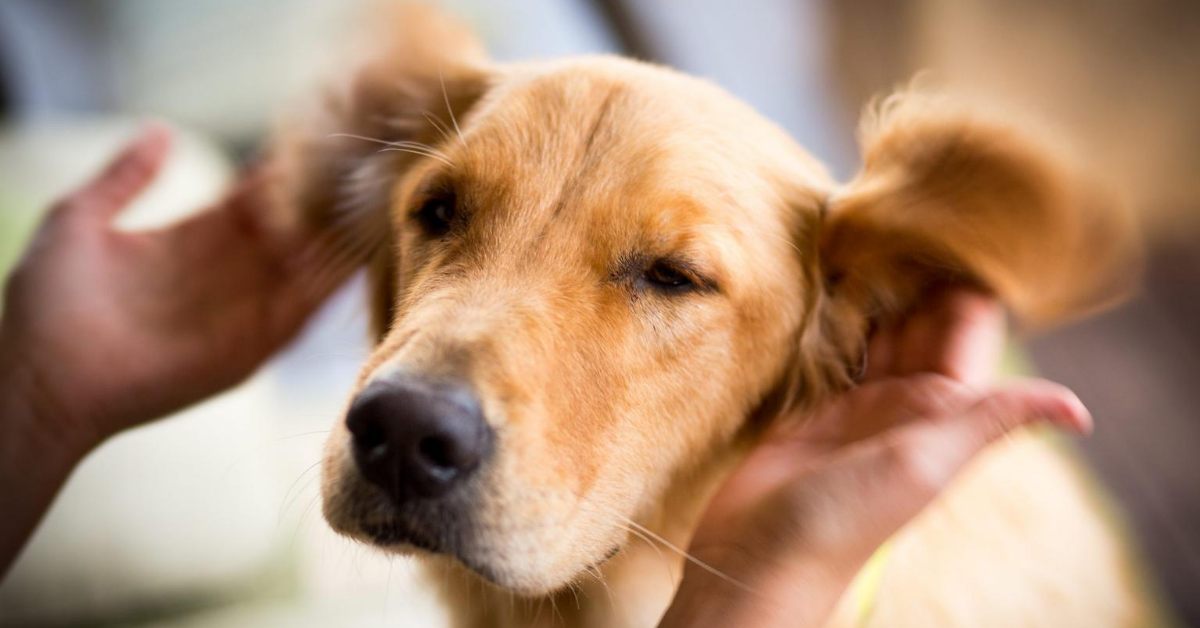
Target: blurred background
{"points": [[212, 519]]}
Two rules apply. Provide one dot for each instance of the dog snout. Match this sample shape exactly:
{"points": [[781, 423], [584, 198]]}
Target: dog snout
{"points": [[418, 439]]}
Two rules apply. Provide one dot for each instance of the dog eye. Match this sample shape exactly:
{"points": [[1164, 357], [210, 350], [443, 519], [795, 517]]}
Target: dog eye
{"points": [[437, 214], [667, 277]]}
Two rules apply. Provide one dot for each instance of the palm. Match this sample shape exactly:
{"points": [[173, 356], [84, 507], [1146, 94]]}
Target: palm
{"points": [[117, 316]]}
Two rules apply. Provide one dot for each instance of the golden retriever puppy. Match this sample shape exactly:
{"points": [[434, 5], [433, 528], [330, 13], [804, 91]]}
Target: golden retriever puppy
{"points": [[596, 280]]}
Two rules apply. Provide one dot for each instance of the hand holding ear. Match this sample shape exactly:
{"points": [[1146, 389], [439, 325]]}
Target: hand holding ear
{"points": [[791, 527], [105, 329]]}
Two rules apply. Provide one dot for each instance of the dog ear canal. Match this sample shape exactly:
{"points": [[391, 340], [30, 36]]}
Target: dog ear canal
{"points": [[339, 159], [946, 195]]}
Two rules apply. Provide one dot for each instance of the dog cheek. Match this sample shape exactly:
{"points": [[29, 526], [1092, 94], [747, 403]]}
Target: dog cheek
{"points": [[337, 477]]}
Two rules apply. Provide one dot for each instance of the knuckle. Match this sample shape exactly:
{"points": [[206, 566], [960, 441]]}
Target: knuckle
{"points": [[935, 390], [1001, 412], [917, 465], [925, 394]]}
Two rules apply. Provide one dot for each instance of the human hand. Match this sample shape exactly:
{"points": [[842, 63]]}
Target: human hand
{"points": [[800, 516], [105, 329]]}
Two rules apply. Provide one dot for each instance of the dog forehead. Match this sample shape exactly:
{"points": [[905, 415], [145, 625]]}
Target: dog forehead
{"points": [[613, 110], [610, 128]]}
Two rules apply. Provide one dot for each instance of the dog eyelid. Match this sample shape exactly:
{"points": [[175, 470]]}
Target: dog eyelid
{"points": [[672, 275]]}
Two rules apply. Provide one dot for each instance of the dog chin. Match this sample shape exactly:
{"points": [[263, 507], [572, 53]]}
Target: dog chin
{"points": [[452, 537], [396, 539]]}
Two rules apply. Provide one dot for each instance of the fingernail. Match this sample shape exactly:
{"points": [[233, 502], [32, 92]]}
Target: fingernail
{"points": [[1067, 411]]}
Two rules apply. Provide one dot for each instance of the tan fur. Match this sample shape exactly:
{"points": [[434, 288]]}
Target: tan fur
{"points": [[615, 402]]}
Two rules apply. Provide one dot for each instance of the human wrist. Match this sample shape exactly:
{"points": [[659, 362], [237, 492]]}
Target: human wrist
{"points": [[32, 413], [38, 451]]}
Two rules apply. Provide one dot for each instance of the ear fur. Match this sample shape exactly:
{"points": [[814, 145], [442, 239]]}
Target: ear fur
{"points": [[419, 75], [947, 194]]}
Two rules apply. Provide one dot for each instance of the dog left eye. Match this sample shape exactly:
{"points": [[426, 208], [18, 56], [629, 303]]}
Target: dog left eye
{"points": [[666, 276], [437, 214]]}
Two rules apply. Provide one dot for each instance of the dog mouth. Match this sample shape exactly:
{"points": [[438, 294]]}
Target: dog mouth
{"points": [[609, 555], [395, 533], [399, 535]]}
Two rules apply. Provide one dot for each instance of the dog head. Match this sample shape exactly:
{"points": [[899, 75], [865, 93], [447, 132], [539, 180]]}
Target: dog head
{"points": [[588, 275]]}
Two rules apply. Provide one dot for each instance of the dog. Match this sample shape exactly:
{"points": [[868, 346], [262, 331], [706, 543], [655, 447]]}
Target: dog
{"points": [[595, 280]]}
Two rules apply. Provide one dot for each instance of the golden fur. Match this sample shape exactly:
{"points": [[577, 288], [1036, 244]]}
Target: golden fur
{"points": [[619, 405]]}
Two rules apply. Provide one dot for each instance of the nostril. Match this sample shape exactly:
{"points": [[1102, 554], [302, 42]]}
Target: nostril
{"points": [[370, 438], [416, 438], [436, 451]]}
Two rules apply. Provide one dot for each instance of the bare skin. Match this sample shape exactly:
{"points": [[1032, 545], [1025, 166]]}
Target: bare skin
{"points": [[796, 521], [104, 330]]}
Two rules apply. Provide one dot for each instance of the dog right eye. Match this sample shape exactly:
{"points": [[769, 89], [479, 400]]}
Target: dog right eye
{"points": [[666, 276], [437, 215]]}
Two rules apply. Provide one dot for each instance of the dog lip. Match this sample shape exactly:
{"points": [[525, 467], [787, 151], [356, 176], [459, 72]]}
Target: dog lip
{"points": [[393, 533], [616, 549], [390, 534]]}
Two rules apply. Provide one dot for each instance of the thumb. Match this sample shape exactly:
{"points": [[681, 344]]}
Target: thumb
{"points": [[123, 178]]}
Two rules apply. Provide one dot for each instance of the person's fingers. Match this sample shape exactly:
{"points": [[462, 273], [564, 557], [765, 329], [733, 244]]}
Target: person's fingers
{"points": [[325, 268], [922, 458], [123, 178], [249, 192], [881, 350], [311, 277], [877, 407], [959, 334], [249, 205], [897, 475]]}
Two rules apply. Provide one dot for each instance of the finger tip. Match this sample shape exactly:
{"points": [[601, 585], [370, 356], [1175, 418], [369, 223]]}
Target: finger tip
{"points": [[155, 136], [1062, 407]]}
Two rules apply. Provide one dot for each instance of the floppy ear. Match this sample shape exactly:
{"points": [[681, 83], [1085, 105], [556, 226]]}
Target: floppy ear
{"points": [[947, 195], [339, 159]]}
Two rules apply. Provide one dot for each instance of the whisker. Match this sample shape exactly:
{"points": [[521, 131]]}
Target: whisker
{"points": [[661, 557], [541, 601], [437, 123], [596, 575], [418, 145], [409, 146], [364, 138], [692, 559], [416, 151], [300, 523], [574, 587], [286, 503], [387, 593], [446, 98]]}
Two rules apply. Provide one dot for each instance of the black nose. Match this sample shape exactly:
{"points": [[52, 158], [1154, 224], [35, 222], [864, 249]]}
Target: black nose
{"points": [[417, 438]]}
